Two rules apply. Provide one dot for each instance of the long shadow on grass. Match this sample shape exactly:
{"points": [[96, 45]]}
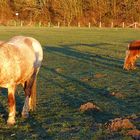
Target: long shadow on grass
{"points": [[102, 46], [84, 93], [87, 44], [37, 128], [106, 62]]}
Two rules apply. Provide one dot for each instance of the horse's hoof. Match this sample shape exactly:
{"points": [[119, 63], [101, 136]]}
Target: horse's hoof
{"points": [[10, 122], [25, 115]]}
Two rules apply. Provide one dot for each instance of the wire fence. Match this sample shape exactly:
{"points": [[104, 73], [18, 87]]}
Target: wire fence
{"points": [[19, 23]]}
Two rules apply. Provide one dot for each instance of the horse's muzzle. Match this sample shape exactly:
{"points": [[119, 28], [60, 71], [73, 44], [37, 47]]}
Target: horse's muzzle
{"points": [[129, 67]]}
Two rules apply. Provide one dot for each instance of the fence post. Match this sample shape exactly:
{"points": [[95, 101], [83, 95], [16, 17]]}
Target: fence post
{"points": [[123, 24], [112, 25], [89, 25], [135, 25], [39, 23], [79, 24], [100, 24], [58, 24], [49, 24], [21, 23], [68, 24], [15, 23]]}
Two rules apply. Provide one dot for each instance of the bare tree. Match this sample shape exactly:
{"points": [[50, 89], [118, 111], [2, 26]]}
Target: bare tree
{"points": [[71, 11]]}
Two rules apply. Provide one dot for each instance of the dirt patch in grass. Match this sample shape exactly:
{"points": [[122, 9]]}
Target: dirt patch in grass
{"points": [[85, 79], [134, 133], [117, 95], [126, 124], [120, 123], [99, 75], [59, 70], [89, 106]]}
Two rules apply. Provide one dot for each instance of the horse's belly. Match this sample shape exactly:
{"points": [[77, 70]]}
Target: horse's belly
{"points": [[25, 75], [16, 72], [7, 79], [26, 68]]}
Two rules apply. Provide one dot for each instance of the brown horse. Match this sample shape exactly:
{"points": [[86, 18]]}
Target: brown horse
{"points": [[132, 54], [20, 60]]}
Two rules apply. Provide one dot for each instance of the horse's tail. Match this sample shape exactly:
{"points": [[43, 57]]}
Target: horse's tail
{"points": [[33, 95], [32, 85]]}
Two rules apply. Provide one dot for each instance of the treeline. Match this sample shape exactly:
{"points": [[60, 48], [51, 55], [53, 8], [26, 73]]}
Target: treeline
{"points": [[70, 12]]}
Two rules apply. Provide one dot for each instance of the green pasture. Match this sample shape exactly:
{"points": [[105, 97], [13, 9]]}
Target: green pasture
{"points": [[80, 65]]}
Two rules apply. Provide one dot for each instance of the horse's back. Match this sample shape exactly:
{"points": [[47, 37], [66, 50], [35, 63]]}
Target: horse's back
{"points": [[134, 43], [25, 43]]}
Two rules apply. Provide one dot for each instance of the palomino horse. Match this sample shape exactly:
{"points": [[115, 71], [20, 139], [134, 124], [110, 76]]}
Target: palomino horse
{"points": [[20, 60], [132, 54]]}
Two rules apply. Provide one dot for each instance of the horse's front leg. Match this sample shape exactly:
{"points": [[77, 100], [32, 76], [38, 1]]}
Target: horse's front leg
{"points": [[12, 105]]}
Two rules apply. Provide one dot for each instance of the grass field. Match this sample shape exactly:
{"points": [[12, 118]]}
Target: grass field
{"points": [[68, 78]]}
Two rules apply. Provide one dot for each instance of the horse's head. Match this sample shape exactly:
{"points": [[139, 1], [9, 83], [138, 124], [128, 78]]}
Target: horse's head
{"points": [[132, 54], [130, 59]]}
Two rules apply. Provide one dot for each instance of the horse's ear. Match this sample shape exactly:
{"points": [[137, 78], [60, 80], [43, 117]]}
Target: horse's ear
{"points": [[28, 42]]}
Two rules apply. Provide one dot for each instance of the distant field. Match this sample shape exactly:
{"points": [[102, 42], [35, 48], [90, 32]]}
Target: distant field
{"points": [[80, 65]]}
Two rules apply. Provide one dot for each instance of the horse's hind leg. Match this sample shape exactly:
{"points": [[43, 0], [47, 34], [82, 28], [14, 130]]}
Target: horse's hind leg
{"points": [[12, 106], [30, 94], [25, 110], [32, 99]]}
